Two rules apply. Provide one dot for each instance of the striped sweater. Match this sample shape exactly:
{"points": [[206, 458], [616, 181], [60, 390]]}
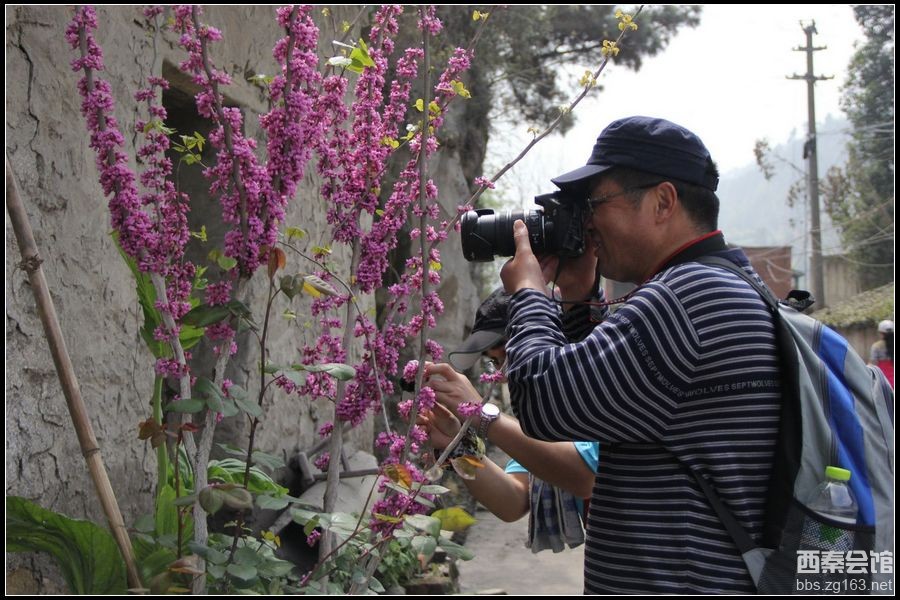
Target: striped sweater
{"points": [[685, 373]]}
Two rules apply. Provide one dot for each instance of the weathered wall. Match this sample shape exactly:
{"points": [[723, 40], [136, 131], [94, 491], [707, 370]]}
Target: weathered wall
{"points": [[92, 288]]}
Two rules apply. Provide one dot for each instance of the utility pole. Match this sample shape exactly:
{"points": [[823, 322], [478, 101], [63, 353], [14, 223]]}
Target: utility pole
{"points": [[809, 153]]}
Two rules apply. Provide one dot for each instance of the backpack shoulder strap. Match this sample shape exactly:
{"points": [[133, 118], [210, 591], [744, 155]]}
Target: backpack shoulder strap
{"points": [[762, 290]]}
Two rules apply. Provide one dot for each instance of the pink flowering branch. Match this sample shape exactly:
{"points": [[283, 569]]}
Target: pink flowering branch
{"points": [[242, 184], [426, 17], [157, 245], [486, 184]]}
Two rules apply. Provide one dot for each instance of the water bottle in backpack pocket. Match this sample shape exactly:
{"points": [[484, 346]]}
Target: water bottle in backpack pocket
{"points": [[835, 508]]}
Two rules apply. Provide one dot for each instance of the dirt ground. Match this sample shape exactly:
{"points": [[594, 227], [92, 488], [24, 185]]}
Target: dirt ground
{"points": [[503, 564]]}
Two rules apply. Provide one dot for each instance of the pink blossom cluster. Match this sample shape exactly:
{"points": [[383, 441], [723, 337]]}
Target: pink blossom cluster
{"points": [[396, 505], [326, 429], [133, 225], [495, 377], [164, 248], [362, 395], [152, 227], [429, 21], [293, 128], [469, 409], [364, 156], [313, 538], [254, 196], [321, 461], [410, 371], [218, 293]]}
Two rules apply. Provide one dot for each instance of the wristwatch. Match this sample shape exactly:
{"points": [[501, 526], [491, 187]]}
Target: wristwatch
{"points": [[489, 414]]}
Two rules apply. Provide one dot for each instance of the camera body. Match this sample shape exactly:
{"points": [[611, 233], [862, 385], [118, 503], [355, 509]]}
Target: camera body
{"points": [[557, 229]]}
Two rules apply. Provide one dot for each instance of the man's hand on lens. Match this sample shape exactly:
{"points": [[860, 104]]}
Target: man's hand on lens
{"points": [[577, 278], [523, 270]]}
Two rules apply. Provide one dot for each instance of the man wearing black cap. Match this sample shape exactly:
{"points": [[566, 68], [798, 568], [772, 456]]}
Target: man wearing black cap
{"points": [[681, 381]]}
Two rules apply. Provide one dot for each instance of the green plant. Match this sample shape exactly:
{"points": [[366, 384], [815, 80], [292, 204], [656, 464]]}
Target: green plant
{"points": [[86, 553]]}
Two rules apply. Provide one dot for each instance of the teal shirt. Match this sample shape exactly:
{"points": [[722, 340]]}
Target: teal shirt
{"points": [[590, 454]]}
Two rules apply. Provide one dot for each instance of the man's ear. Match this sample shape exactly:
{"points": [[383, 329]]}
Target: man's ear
{"points": [[666, 201]]}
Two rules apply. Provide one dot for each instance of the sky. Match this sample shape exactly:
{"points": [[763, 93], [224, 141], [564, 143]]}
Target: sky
{"points": [[725, 80]]}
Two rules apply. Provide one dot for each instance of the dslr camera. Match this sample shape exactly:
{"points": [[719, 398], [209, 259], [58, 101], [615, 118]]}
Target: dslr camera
{"points": [[557, 229]]}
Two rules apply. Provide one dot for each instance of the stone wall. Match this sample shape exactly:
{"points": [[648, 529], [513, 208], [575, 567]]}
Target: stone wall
{"points": [[93, 290]]}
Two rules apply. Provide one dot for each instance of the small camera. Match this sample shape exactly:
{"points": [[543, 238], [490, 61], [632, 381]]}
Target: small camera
{"points": [[557, 229]]}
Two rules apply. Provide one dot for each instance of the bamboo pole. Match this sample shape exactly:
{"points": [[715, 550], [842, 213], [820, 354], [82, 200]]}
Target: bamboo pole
{"points": [[31, 263]]}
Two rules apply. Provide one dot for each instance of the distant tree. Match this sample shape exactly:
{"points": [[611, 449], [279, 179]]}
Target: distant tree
{"points": [[521, 59], [860, 196]]}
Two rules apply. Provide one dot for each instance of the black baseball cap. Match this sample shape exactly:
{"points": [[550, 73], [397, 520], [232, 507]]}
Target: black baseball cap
{"points": [[489, 331], [647, 144]]}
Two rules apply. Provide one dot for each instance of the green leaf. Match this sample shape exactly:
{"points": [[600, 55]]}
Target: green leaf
{"points": [[185, 500], [145, 524], [156, 562], [190, 336], [269, 461], [237, 498], [455, 550], [242, 572], [339, 371], [229, 408], [433, 489], [209, 554], [275, 568], [200, 235], [295, 232], [205, 315], [188, 405], [247, 556], [260, 458], [146, 294], [429, 525], [86, 553], [217, 571], [318, 285], [212, 393], [211, 499], [361, 55], [166, 517], [227, 263], [271, 502], [454, 519], [424, 545], [239, 309]]}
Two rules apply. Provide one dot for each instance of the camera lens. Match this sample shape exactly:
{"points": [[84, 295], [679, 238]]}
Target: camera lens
{"points": [[486, 234]]}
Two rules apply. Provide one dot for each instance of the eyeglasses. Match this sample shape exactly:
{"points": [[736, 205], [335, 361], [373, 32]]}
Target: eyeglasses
{"points": [[592, 202], [491, 365]]}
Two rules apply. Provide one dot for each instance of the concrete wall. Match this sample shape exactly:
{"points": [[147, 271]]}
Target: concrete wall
{"points": [[773, 264], [842, 280], [92, 288]]}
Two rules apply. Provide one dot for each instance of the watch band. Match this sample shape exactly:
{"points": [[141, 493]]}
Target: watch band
{"points": [[489, 413]]}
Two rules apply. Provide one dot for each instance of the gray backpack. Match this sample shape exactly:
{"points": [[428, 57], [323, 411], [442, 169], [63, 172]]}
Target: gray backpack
{"points": [[837, 411]]}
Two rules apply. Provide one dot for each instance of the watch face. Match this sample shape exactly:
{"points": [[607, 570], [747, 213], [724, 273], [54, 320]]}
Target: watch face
{"points": [[490, 410]]}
